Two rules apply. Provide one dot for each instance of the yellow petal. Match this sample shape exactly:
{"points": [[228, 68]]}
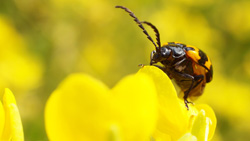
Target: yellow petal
{"points": [[200, 126], [188, 137], [114, 134], [174, 118], [136, 97], [2, 118], [82, 108], [197, 123], [210, 116], [160, 136], [76, 110], [13, 126]]}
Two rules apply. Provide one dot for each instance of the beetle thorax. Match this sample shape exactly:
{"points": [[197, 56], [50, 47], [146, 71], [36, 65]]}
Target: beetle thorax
{"points": [[167, 54]]}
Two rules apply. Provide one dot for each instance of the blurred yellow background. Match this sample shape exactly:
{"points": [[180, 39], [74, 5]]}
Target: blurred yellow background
{"points": [[42, 41]]}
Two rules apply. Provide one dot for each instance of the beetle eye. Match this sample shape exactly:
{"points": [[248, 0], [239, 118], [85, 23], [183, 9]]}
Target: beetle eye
{"points": [[165, 52]]}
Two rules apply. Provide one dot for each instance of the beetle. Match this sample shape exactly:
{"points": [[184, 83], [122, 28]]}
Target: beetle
{"points": [[187, 65]]}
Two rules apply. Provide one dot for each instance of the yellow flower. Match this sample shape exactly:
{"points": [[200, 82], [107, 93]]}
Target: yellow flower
{"points": [[19, 69], [10, 121], [143, 106], [83, 108], [175, 121]]}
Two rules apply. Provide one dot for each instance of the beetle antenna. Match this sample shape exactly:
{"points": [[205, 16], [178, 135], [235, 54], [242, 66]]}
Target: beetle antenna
{"points": [[139, 24], [157, 34]]}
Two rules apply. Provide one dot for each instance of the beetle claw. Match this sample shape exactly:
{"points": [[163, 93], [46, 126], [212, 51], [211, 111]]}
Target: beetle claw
{"points": [[187, 102]]}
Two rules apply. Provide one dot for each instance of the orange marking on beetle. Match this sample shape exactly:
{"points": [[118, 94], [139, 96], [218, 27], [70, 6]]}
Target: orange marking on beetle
{"points": [[208, 63], [193, 54]]}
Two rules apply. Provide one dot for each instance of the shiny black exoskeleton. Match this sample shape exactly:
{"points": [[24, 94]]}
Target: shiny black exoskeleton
{"points": [[190, 67], [179, 64]]}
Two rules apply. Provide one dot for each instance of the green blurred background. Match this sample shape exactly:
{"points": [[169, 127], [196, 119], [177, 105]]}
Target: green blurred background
{"points": [[42, 41]]}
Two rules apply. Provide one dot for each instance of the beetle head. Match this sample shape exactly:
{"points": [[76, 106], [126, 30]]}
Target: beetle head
{"points": [[157, 56]]}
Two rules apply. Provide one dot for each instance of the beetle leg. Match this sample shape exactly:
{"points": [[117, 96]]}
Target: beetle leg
{"points": [[198, 79], [179, 62], [190, 78]]}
